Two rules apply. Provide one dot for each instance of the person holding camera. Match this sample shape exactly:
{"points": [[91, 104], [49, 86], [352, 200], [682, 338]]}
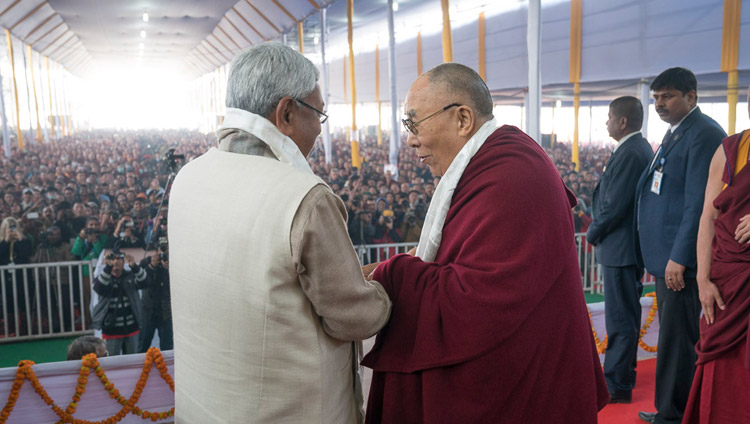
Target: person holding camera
{"points": [[126, 233], [385, 233], [15, 249], [157, 309], [119, 287], [53, 248]]}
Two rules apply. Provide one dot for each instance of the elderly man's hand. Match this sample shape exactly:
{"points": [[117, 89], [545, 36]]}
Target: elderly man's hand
{"points": [[709, 294], [368, 269], [742, 233]]}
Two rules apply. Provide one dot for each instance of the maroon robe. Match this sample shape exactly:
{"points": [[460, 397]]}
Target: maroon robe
{"points": [[721, 386], [496, 329]]}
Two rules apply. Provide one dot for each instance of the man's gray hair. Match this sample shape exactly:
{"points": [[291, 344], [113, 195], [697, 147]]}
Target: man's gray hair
{"points": [[263, 74]]}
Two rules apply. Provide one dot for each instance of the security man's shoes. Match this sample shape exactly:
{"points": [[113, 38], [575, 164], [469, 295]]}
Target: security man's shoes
{"points": [[649, 417]]}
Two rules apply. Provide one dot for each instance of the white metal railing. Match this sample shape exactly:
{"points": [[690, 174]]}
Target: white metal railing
{"points": [[44, 300], [591, 273], [52, 299]]}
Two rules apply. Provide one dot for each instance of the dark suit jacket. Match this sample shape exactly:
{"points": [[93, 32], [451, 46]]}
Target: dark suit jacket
{"points": [[667, 224], [614, 196]]}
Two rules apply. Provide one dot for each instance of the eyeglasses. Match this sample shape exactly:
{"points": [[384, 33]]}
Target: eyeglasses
{"points": [[321, 115], [411, 126]]}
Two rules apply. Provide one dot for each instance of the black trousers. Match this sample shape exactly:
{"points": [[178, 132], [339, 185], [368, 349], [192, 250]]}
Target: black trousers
{"points": [[679, 315], [622, 314]]}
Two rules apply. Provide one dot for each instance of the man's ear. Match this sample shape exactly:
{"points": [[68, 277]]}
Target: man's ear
{"points": [[623, 123], [466, 120], [284, 114]]}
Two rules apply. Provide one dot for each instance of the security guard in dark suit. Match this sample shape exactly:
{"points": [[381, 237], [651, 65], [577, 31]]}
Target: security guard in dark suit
{"points": [[669, 202], [612, 234]]}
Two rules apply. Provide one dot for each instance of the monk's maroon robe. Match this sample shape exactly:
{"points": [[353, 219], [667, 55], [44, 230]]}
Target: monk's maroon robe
{"points": [[496, 329], [721, 386]]}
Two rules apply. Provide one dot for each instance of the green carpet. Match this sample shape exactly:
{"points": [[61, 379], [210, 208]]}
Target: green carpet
{"points": [[39, 351]]}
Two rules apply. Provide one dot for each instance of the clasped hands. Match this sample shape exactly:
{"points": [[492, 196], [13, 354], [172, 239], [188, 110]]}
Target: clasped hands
{"points": [[369, 269]]}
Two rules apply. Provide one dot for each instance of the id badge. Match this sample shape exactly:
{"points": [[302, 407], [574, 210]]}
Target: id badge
{"points": [[656, 182]]}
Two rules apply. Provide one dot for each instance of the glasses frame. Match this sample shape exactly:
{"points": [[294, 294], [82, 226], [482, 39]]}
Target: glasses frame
{"points": [[411, 126], [321, 115]]}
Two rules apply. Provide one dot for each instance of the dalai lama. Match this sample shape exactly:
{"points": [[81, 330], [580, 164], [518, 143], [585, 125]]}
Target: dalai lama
{"points": [[489, 322]]}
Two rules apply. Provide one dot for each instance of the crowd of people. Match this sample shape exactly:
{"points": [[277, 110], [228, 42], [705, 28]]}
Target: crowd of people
{"points": [[73, 198]]}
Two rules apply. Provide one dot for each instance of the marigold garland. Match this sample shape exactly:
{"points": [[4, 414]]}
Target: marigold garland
{"points": [[601, 347], [153, 357]]}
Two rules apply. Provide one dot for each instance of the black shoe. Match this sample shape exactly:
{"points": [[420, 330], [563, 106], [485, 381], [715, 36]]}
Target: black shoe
{"points": [[625, 396], [649, 417]]}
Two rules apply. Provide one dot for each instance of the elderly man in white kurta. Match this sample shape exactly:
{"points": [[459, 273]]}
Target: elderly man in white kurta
{"points": [[268, 298]]}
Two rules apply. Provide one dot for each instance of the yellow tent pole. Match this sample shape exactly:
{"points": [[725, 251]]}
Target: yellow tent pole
{"points": [[419, 53], [377, 92], [36, 99], [730, 47], [61, 101], [19, 134], [447, 39], [481, 49], [356, 160], [576, 107], [576, 18], [49, 87], [300, 37]]}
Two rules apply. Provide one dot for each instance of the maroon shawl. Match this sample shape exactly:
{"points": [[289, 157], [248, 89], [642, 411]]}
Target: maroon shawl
{"points": [[730, 265], [496, 329]]}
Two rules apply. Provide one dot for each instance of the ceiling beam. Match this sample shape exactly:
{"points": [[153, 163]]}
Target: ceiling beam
{"points": [[33, 11], [217, 50], [249, 24], [238, 30], [202, 61], [44, 22], [55, 40], [72, 36], [207, 55], [222, 44], [48, 33], [262, 16], [230, 38], [9, 7], [315, 5], [283, 9]]}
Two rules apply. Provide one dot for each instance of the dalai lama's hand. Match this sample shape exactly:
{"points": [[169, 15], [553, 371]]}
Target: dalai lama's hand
{"points": [[368, 269], [742, 233], [673, 276], [708, 293]]}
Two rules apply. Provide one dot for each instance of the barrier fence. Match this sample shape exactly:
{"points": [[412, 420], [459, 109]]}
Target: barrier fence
{"points": [[44, 300]]}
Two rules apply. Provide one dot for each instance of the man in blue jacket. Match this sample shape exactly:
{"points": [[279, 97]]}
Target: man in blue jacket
{"points": [[612, 234], [669, 202]]}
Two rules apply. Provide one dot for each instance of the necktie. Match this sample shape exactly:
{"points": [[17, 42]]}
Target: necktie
{"points": [[660, 152]]}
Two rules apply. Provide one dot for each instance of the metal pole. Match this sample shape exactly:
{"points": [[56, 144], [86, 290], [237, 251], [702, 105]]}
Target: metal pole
{"points": [[644, 94], [533, 46], [395, 130], [6, 133], [324, 81]]}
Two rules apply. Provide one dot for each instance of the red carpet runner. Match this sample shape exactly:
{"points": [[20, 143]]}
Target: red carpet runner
{"points": [[643, 398]]}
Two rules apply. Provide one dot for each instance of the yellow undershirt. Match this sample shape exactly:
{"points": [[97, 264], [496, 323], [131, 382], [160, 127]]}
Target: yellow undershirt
{"points": [[743, 156]]}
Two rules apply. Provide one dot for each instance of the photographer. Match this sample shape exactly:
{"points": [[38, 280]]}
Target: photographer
{"points": [[52, 248], [90, 242], [15, 249], [127, 234], [119, 288], [386, 234], [157, 309], [411, 227]]}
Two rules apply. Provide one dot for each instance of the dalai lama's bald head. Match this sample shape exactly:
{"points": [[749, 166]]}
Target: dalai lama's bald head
{"points": [[444, 108]]}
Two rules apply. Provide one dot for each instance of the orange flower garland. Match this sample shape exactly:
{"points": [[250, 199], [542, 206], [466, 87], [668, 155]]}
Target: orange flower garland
{"points": [[601, 347], [153, 357]]}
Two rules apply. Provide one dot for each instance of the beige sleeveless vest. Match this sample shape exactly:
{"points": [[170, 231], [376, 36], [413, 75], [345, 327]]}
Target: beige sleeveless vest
{"points": [[249, 348]]}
